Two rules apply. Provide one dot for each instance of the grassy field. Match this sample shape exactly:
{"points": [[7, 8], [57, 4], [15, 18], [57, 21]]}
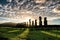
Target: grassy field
{"points": [[9, 32], [44, 35], [29, 34]]}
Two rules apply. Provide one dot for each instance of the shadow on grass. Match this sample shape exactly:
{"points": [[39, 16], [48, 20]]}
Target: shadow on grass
{"points": [[35, 34], [12, 33], [2, 38]]}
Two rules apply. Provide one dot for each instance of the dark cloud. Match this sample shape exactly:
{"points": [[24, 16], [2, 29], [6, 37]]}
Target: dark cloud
{"points": [[32, 6], [29, 8], [3, 2]]}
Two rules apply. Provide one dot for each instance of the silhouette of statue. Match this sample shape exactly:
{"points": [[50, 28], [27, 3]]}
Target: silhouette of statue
{"points": [[26, 23], [29, 22], [45, 21], [32, 23], [40, 21], [35, 22], [20, 25]]}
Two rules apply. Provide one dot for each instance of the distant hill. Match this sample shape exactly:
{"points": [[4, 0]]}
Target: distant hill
{"points": [[8, 24], [11, 24]]}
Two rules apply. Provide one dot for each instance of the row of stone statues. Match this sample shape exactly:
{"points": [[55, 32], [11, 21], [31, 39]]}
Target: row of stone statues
{"points": [[34, 23]]}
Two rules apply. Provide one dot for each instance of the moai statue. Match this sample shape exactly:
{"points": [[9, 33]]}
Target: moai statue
{"points": [[45, 21], [29, 22], [35, 22], [40, 21], [32, 23]]}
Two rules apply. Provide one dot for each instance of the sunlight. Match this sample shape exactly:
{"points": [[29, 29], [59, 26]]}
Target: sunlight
{"points": [[24, 34], [27, 19], [51, 34]]}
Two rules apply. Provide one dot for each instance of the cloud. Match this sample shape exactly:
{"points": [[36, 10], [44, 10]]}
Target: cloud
{"points": [[9, 0], [1, 18], [40, 1], [57, 9], [4, 20], [41, 10], [54, 21], [33, 9]]}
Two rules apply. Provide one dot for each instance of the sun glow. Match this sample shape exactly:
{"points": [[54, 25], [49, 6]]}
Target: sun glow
{"points": [[27, 19]]}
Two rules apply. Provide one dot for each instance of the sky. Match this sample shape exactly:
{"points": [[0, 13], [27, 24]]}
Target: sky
{"points": [[22, 10]]}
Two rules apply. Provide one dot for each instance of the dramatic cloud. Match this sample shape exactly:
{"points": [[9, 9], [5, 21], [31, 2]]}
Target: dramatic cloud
{"points": [[57, 9], [30, 9]]}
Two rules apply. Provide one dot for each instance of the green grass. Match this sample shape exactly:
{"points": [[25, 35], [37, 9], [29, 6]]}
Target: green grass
{"points": [[10, 32], [53, 31], [39, 35], [22, 36], [29, 34]]}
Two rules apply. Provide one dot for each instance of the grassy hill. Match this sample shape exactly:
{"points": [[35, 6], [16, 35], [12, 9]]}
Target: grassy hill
{"points": [[8, 24], [29, 34]]}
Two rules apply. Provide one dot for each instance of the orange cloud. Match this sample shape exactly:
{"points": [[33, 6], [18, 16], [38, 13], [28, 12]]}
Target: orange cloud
{"points": [[57, 9]]}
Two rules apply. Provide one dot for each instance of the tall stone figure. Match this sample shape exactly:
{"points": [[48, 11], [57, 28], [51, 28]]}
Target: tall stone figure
{"points": [[35, 22], [29, 22], [32, 23], [40, 21], [45, 21]]}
